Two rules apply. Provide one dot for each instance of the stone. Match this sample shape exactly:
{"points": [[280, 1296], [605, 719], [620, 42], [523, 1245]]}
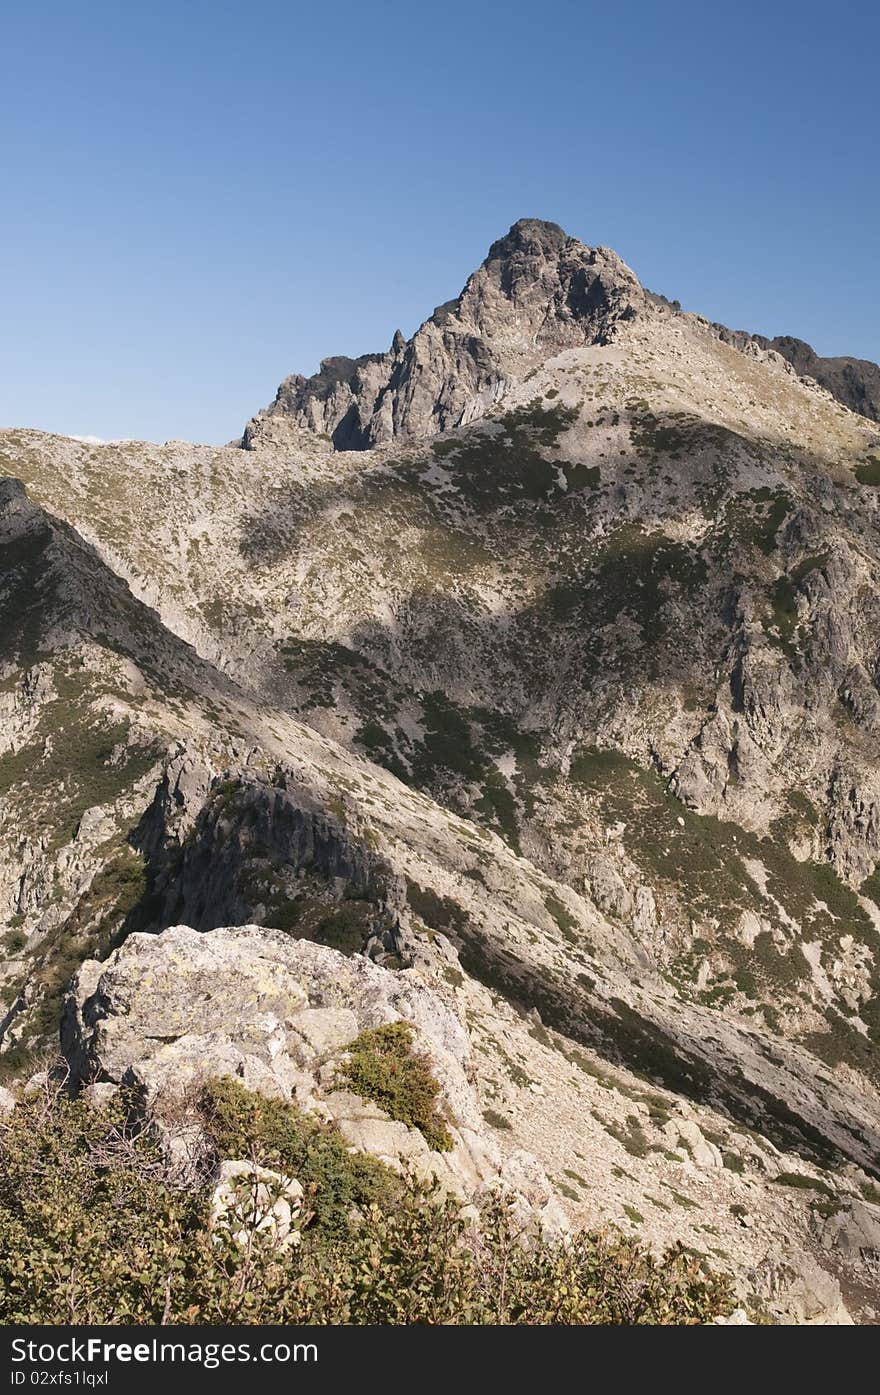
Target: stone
{"points": [[323, 1030], [36, 1085], [245, 1001], [101, 1094], [607, 888], [249, 1200], [855, 1230], [687, 1131], [282, 1013], [738, 1318], [800, 1290]]}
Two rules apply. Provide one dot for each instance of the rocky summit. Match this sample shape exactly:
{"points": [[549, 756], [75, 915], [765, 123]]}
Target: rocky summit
{"points": [[520, 684]]}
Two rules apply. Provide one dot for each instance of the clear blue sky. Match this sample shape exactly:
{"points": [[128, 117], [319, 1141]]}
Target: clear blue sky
{"points": [[200, 197]]}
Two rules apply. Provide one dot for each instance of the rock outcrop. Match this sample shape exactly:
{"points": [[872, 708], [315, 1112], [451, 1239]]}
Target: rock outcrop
{"points": [[166, 1012], [853, 381]]}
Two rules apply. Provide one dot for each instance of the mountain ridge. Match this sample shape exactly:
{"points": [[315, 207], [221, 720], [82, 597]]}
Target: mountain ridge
{"points": [[581, 294]]}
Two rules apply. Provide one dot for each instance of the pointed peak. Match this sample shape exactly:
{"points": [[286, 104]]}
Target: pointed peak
{"points": [[529, 235], [538, 292]]}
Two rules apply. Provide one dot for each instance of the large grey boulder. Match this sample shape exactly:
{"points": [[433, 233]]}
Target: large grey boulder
{"points": [[798, 1290], [166, 1011], [855, 1231], [245, 1000]]}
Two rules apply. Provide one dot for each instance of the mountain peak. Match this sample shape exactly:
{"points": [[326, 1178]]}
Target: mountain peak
{"points": [[538, 292], [529, 235]]}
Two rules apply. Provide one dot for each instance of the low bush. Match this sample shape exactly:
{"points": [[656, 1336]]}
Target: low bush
{"points": [[95, 1228], [241, 1124], [382, 1066]]}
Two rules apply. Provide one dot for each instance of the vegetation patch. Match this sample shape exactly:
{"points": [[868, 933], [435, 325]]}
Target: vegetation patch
{"points": [[276, 1134], [868, 471], [751, 520], [383, 1067], [810, 1184], [319, 665], [703, 861], [94, 1229], [490, 469], [437, 912], [636, 572], [311, 913], [496, 1120], [633, 1137], [568, 924], [74, 762]]}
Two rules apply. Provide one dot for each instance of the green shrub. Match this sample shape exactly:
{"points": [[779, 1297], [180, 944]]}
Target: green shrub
{"points": [[868, 470], [496, 1120], [810, 1184], [383, 1067], [242, 1124], [94, 1229]]}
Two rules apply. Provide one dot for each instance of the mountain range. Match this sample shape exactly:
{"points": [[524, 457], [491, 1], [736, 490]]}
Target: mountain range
{"points": [[536, 658]]}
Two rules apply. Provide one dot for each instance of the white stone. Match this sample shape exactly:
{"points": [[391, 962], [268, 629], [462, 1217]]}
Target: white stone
{"points": [[249, 1199]]}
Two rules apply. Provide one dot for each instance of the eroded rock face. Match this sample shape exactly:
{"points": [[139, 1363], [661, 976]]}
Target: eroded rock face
{"points": [[201, 831], [537, 292]]}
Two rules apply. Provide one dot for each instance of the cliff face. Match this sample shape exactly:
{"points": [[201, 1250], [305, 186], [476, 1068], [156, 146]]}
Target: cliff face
{"points": [[538, 659]]}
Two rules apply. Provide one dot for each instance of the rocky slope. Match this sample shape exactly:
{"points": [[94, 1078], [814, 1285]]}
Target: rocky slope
{"points": [[537, 659], [853, 381]]}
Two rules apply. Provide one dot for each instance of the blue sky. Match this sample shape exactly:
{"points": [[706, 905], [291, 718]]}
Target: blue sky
{"points": [[201, 197]]}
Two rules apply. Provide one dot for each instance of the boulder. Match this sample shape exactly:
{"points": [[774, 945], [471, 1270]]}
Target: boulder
{"points": [[799, 1291], [164, 1012], [855, 1231], [249, 1199], [688, 1132]]}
